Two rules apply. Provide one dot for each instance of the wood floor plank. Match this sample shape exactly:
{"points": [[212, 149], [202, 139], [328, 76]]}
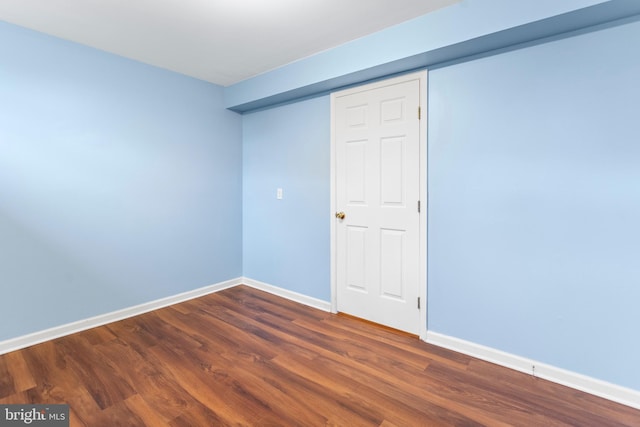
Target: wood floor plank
{"points": [[361, 396], [19, 371], [158, 390], [282, 394], [101, 378], [243, 357], [7, 385], [56, 382]]}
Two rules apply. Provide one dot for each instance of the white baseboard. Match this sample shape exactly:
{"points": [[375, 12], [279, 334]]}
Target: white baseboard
{"points": [[82, 325], [574, 380], [24, 341], [290, 295]]}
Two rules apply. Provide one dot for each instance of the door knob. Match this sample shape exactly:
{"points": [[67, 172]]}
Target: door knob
{"points": [[340, 215]]}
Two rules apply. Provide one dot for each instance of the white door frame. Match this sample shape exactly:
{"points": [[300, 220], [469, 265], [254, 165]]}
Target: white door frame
{"points": [[422, 291]]}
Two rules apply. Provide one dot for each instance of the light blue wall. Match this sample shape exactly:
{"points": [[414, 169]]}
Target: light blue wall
{"points": [[286, 242], [120, 183], [534, 201]]}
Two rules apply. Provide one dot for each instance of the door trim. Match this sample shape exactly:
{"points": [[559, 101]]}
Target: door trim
{"points": [[422, 291]]}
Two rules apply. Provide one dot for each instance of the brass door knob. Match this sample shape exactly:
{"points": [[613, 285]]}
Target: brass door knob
{"points": [[340, 215]]}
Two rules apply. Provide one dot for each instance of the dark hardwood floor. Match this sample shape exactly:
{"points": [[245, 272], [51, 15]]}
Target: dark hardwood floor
{"points": [[245, 357]]}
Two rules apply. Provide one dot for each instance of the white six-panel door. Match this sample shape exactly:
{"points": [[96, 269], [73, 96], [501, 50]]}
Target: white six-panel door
{"points": [[377, 189]]}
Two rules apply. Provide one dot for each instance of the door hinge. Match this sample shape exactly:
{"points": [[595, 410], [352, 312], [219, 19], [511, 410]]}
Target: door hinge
{"points": [[418, 206], [419, 113], [418, 303]]}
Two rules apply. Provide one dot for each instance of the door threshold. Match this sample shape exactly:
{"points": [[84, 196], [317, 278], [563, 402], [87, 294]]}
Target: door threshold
{"points": [[378, 325]]}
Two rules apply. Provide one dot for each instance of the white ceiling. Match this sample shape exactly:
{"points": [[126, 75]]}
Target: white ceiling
{"points": [[221, 41]]}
